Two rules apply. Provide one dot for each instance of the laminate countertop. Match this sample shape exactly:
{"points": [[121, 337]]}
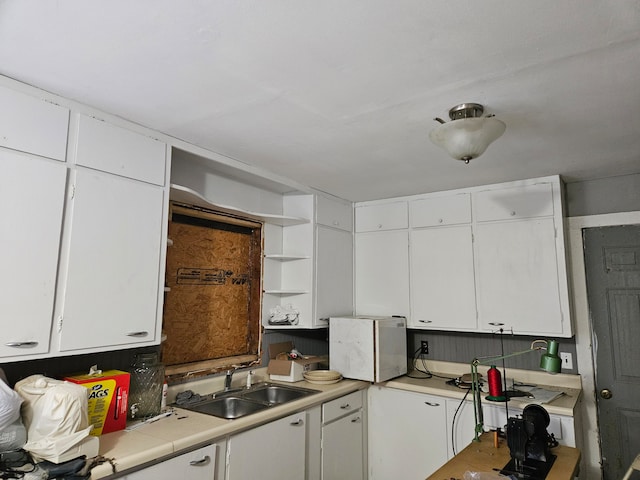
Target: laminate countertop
{"points": [[568, 386], [184, 429]]}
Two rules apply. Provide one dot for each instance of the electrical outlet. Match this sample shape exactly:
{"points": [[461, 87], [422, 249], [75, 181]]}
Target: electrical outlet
{"points": [[567, 360], [424, 347]]}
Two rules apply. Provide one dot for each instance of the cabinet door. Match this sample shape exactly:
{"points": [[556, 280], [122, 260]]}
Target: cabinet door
{"points": [[383, 216], [119, 151], [197, 465], [406, 433], [32, 191], [334, 273], [382, 273], [32, 125], [461, 425], [517, 277], [343, 448], [334, 213], [113, 273], [271, 452], [442, 279]]}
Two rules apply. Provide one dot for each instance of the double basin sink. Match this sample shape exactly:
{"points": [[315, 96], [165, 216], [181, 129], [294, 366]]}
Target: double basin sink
{"points": [[241, 402]]}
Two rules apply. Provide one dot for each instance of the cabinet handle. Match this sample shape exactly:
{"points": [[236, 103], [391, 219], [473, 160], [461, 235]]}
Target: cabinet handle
{"points": [[21, 344], [355, 420], [425, 321], [440, 220], [513, 213], [200, 463], [432, 404], [142, 333], [496, 324], [379, 225], [345, 406], [297, 422]]}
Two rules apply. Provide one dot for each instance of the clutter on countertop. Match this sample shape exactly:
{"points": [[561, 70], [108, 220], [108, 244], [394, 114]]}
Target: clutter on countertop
{"points": [[108, 393], [287, 364]]}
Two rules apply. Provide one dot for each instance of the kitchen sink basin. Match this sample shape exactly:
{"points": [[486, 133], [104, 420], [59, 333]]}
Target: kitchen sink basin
{"points": [[276, 394], [228, 407], [241, 402]]}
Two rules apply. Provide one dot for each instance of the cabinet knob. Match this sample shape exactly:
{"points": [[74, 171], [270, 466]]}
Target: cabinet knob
{"points": [[345, 406], [200, 463], [379, 225], [440, 220], [21, 344], [606, 393], [355, 420], [513, 213]]}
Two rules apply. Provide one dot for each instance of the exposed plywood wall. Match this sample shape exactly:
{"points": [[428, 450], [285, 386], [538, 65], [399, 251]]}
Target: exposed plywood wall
{"points": [[211, 310]]}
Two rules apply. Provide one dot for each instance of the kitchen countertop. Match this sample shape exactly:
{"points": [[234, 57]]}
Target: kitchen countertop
{"points": [[569, 385], [185, 429]]}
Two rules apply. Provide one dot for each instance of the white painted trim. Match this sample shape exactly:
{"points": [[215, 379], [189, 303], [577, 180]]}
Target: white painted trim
{"points": [[590, 444]]}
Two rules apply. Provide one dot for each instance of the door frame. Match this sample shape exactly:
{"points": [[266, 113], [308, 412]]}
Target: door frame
{"points": [[590, 434]]}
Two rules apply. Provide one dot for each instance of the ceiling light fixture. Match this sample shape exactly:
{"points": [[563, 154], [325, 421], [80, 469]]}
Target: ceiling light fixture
{"points": [[468, 134]]}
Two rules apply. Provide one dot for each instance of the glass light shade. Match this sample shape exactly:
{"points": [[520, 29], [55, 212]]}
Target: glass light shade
{"points": [[467, 138]]}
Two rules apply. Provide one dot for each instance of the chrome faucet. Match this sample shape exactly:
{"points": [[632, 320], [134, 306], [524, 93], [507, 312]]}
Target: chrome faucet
{"points": [[227, 380]]}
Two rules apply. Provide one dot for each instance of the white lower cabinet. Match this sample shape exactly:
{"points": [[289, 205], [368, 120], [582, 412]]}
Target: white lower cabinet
{"points": [[343, 438], [274, 451], [407, 433], [199, 464]]}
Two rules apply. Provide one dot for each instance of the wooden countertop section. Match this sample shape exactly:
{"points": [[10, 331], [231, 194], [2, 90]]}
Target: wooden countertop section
{"points": [[483, 456]]}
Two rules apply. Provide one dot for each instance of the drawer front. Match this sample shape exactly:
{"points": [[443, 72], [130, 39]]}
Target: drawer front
{"points": [[386, 216], [333, 213], [116, 150], [511, 203], [430, 212], [341, 406]]}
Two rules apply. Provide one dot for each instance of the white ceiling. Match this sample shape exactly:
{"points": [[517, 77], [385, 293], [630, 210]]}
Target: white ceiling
{"points": [[340, 94]]}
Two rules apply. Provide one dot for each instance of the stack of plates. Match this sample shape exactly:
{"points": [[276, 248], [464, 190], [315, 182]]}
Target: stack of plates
{"points": [[322, 377]]}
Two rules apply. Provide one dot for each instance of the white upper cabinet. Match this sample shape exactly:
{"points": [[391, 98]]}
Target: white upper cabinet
{"points": [[440, 211], [382, 216], [32, 190], [514, 202], [309, 266], [114, 263], [334, 213], [116, 150], [33, 125], [442, 279], [382, 273], [480, 259]]}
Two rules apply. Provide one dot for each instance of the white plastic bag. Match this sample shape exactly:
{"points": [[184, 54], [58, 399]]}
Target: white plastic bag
{"points": [[55, 414], [10, 403]]}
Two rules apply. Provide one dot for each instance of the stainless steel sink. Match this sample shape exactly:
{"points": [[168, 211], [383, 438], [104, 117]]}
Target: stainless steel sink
{"points": [[276, 394], [241, 402], [228, 407]]}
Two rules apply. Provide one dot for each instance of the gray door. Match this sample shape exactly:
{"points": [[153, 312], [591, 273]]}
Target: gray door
{"points": [[612, 264]]}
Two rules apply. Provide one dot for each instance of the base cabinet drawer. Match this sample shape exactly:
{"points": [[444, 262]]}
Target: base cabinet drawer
{"points": [[196, 465]]}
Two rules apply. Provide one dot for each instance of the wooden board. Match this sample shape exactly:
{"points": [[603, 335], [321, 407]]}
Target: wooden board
{"points": [[211, 308], [483, 456]]}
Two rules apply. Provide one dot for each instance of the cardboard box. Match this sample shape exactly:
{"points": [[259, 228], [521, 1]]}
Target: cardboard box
{"points": [[283, 369], [108, 399]]}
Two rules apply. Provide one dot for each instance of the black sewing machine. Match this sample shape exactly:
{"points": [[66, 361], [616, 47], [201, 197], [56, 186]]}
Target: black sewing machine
{"points": [[530, 444]]}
